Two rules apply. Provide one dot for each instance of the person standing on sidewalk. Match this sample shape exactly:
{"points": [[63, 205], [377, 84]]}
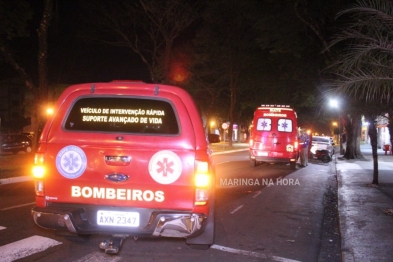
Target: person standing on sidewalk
{"points": [[304, 141], [344, 141]]}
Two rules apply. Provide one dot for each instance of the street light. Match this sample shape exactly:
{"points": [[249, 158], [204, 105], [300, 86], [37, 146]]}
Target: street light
{"points": [[334, 103], [49, 111], [335, 127], [211, 127]]}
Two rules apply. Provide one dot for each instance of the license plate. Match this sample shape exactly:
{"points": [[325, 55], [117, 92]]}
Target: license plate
{"points": [[262, 153], [117, 218]]}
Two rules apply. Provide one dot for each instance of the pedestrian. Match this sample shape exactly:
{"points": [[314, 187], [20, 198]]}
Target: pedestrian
{"points": [[304, 141], [344, 141]]}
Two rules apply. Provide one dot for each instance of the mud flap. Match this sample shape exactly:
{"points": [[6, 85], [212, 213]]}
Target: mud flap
{"points": [[206, 238]]}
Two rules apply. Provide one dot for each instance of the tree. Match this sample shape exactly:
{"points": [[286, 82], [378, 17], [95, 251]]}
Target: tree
{"points": [[225, 46], [15, 17], [281, 60], [149, 28], [363, 68], [293, 34], [16, 28], [318, 18], [372, 132]]}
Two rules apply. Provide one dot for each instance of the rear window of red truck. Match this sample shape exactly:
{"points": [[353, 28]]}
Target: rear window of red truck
{"points": [[123, 115]]}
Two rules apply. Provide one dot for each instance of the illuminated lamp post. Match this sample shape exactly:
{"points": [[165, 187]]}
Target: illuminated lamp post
{"points": [[49, 111], [334, 124], [334, 103], [211, 127]]}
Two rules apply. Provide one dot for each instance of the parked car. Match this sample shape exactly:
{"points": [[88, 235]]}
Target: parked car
{"points": [[332, 141], [322, 144], [214, 138], [16, 142]]}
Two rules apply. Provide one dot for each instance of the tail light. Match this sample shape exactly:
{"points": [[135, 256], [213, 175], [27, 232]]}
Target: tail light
{"points": [[202, 180], [39, 173]]}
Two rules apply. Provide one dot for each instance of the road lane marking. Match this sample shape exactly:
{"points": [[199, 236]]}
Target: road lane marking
{"points": [[1, 228], [257, 194], [23, 205], [234, 211], [228, 152], [98, 257], [250, 253], [238, 251], [282, 259], [25, 247], [220, 163]]}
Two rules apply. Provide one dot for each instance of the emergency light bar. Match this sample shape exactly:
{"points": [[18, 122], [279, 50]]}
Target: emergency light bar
{"points": [[128, 81], [276, 106]]}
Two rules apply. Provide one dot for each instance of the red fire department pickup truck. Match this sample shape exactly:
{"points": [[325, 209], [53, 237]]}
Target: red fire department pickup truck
{"points": [[125, 159]]}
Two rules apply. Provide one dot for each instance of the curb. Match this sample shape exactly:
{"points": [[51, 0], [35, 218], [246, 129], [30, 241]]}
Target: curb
{"points": [[347, 256]]}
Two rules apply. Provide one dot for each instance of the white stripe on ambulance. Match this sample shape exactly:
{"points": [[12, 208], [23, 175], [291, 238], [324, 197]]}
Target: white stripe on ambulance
{"points": [[118, 194]]}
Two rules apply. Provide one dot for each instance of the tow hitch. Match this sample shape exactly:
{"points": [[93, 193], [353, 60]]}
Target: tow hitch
{"points": [[112, 245]]}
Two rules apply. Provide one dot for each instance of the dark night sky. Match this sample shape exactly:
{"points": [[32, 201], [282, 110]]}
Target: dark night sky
{"points": [[73, 58], [79, 59]]}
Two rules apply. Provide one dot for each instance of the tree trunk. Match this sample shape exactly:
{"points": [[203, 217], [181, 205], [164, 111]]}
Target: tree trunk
{"points": [[233, 77], [390, 128], [168, 61], [372, 132], [353, 125], [41, 99], [231, 117]]}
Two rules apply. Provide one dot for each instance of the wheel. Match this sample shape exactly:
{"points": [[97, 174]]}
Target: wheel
{"points": [[253, 163], [325, 158], [28, 149], [292, 165]]}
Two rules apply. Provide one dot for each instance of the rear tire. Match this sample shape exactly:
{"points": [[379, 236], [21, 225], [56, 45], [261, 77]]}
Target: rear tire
{"points": [[253, 163], [28, 149], [292, 165], [325, 158]]}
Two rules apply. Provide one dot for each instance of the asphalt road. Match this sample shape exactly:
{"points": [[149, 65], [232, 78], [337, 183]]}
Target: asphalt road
{"points": [[266, 213]]}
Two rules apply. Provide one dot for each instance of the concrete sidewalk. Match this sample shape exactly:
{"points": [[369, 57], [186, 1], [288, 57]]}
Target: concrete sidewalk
{"points": [[366, 222]]}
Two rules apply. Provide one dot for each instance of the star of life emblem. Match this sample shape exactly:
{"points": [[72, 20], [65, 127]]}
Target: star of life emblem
{"points": [[165, 167], [71, 162]]}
